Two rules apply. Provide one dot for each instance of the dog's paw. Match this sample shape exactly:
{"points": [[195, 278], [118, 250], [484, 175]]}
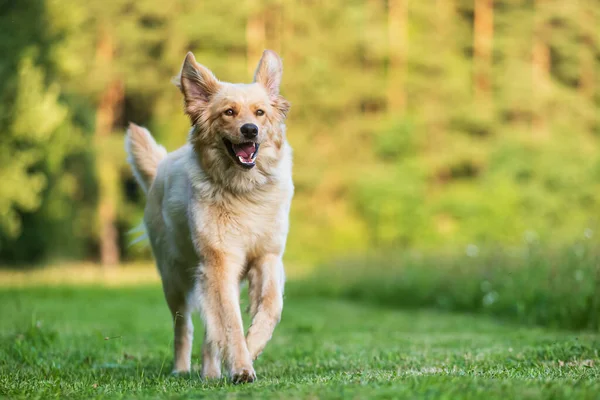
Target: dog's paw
{"points": [[211, 375], [180, 372], [243, 375]]}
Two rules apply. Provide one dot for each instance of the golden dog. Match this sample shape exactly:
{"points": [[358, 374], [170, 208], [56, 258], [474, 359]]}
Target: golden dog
{"points": [[217, 213]]}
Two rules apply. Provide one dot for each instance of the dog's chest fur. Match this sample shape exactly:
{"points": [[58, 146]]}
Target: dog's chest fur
{"points": [[243, 225]]}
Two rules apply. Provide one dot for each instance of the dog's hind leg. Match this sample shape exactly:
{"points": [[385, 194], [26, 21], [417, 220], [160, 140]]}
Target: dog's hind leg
{"points": [[266, 280]]}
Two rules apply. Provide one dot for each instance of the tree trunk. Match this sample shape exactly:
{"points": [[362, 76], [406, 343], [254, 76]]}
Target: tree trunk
{"points": [[540, 66], [444, 46], [256, 38], [107, 112], [587, 75], [274, 27], [587, 71], [483, 37], [398, 49]]}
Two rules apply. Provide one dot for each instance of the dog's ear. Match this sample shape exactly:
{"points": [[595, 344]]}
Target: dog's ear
{"points": [[269, 71], [198, 84], [268, 74]]}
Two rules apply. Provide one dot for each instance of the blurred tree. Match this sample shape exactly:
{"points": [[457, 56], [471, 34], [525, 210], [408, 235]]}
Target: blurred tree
{"points": [[483, 36], [397, 38], [109, 108], [589, 18], [255, 36], [22, 146], [40, 143], [540, 68], [413, 123]]}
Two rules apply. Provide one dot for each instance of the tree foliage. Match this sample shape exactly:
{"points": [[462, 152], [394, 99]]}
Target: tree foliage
{"points": [[414, 124]]}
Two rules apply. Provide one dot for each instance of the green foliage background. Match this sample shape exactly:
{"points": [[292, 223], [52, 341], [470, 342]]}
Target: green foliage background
{"points": [[447, 169]]}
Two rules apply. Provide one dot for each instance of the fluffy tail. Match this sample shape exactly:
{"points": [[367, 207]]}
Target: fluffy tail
{"points": [[143, 154]]}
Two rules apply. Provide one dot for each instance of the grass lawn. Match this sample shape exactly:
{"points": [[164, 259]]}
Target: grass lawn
{"points": [[115, 342]]}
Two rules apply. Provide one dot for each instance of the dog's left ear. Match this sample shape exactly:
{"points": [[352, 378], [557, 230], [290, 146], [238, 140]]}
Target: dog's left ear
{"points": [[268, 74]]}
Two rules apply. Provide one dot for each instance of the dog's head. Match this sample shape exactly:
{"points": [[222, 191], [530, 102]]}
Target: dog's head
{"points": [[237, 127]]}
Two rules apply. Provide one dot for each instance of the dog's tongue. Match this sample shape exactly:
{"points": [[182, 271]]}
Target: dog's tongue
{"points": [[244, 150]]}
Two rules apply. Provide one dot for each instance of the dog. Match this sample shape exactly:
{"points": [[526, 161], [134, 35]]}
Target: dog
{"points": [[217, 212]]}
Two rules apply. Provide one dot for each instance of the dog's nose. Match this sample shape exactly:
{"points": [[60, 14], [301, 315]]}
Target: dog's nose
{"points": [[250, 131]]}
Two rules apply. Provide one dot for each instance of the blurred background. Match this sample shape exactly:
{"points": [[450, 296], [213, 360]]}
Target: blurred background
{"points": [[455, 137]]}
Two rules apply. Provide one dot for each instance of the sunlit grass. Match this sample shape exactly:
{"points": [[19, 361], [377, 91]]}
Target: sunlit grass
{"points": [[86, 342], [81, 274], [377, 327], [128, 274]]}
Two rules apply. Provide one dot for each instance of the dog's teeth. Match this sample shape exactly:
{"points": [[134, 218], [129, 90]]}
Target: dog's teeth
{"points": [[244, 161]]}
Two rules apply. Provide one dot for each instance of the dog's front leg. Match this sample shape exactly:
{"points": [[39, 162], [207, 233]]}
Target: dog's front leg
{"points": [[266, 278], [219, 302]]}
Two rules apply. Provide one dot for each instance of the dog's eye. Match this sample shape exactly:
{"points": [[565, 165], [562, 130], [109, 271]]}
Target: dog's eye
{"points": [[260, 112], [229, 112]]}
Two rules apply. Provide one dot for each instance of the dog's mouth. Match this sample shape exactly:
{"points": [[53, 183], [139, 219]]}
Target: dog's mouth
{"points": [[244, 154]]}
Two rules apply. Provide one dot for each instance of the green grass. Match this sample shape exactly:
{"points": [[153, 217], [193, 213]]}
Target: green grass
{"points": [[533, 285], [75, 342]]}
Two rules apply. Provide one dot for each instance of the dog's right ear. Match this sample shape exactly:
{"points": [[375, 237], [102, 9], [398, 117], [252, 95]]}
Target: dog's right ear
{"points": [[198, 84]]}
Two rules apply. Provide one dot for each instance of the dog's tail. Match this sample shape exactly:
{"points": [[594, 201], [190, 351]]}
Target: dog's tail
{"points": [[143, 154]]}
